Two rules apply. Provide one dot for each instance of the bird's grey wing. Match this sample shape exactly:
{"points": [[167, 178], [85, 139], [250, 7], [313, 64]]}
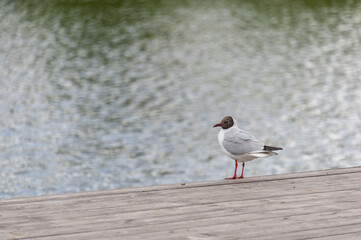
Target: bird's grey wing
{"points": [[238, 142]]}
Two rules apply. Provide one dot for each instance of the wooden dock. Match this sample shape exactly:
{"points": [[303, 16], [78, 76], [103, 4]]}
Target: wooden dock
{"points": [[311, 205]]}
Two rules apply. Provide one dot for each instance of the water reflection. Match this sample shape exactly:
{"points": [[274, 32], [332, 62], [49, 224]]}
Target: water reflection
{"points": [[108, 94]]}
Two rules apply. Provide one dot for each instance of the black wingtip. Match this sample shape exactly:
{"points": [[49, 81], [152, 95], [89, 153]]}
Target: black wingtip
{"points": [[269, 148]]}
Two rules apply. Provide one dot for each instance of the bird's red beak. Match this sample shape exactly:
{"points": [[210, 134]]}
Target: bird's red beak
{"points": [[218, 125]]}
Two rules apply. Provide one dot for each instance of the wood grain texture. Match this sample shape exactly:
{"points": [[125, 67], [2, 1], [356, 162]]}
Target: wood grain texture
{"points": [[311, 205]]}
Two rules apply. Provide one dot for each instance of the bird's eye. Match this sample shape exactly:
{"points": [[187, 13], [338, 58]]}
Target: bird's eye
{"points": [[227, 122]]}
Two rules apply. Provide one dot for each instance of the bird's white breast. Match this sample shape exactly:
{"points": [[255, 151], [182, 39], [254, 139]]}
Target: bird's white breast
{"points": [[220, 141]]}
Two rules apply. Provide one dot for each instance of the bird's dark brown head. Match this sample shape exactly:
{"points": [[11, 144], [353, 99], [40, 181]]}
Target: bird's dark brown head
{"points": [[226, 122]]}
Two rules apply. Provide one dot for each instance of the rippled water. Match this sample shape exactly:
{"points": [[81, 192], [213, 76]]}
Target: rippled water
{"points": [[110, 94]]}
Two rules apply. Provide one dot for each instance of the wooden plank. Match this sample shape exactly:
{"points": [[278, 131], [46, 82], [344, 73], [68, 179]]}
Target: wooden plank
{"points": [[288, 206], [328, 172], [8, 211], [24, 215], [349, 236], [248, 205], [349, 231], [215, 192], [157, 217], [215, 226]]}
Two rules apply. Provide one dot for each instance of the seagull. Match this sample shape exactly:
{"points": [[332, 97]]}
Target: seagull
{"points": [[240, 145]]}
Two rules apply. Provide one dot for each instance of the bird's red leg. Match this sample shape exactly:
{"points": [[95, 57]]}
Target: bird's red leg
{"points": [[242, 171], [235, 172]]}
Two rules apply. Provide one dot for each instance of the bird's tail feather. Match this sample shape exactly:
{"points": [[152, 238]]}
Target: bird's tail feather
{"points": [[269, 148], [262, 154]]}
